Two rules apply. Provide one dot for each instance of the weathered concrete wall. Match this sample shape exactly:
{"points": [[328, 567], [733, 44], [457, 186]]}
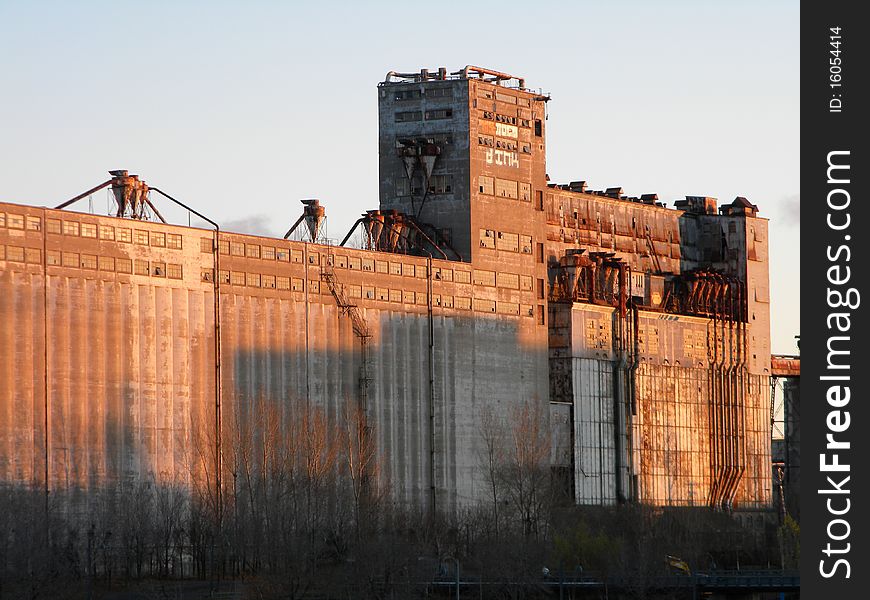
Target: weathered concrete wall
{"points": [[679, 416], [127, 327]]}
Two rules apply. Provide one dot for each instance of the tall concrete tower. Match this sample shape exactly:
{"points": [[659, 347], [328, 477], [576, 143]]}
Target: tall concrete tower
{"points": [[465, 152]]}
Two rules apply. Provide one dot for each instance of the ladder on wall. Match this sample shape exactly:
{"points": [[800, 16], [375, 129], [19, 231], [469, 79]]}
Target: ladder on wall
{"points": [[358, 323]]}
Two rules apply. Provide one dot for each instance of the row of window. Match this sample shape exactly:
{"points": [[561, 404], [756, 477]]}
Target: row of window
{"points": [[509, 120], [430, 115], [94, 262], [444, 91], [440, 139], [501, 97], [293, 255], [92, 230], [21, 254], [265, 281], [438, 184], [15, 221], [503, 240], [504, 188], [512, 242], [490, 141], [296, 284]]}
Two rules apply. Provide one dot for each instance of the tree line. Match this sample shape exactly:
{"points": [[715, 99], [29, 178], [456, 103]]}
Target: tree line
{"points": [[303, 510]]}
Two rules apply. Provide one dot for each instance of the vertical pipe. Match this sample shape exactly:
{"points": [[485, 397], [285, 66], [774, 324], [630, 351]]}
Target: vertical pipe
{"points": [[431, 360], [307, 286], [218, 389], [45, 380]]}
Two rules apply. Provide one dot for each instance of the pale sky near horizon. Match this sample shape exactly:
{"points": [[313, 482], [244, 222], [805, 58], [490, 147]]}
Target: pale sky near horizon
{"points": [[240, 109]]}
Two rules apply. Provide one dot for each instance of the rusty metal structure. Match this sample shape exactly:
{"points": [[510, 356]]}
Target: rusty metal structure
{"points": [[131, 348]]}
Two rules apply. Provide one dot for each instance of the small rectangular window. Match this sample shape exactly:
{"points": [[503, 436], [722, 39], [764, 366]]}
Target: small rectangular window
{"points": [[313, 258], [237, 248], [268, 253], [486, 185], [282, 283], [2, 219], [253, 279], [89, 261], [297, 284], [508, 280], [15, 253], [125, 235], [223, 276], [268, 281], [142, 267], [508, 308], [237, 278], [34, 223], [173, 271], [506, 188], [407, 116], [124, 265], [538, 128], [158, 239], [16, 221], [158, 269], [483, 305], [106, 263], [253, 250], [441, 113], [71, 259], [52, 257], [173, 240], [540, 252], [206, 245], [525, 191], [141, 237], [224, 246], [89, 230], [207, 275], [482, 277], [69, 227], [52, 225], [541, 316], [33, 256], [107, 232]]}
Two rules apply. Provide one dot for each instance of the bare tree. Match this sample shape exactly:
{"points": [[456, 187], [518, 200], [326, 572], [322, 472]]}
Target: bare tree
{"points": [[492, 437], [361, 462], [525, 472]]}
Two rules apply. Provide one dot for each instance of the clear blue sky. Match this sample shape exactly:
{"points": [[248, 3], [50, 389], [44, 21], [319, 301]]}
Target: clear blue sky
{"points": [[242, 108]]}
